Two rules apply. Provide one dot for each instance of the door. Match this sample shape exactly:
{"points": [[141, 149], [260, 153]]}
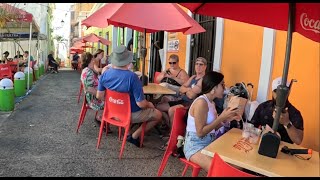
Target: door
{"points": [[202, 44], [155, 62]]}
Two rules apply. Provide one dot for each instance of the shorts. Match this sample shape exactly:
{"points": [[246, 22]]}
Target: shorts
{"points": [[143, 115], [193, 143]]}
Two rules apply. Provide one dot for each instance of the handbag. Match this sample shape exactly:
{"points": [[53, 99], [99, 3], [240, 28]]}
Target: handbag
{"points": [[170, 81]]}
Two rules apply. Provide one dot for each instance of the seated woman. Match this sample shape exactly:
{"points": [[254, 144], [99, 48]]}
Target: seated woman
{"points": [[89, 78], [174, 76], [97, 56], [53, 63], [203, 119]]}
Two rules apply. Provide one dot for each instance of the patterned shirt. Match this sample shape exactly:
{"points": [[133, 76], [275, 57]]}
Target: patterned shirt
{"points": [[90, 79], [263, 116]]}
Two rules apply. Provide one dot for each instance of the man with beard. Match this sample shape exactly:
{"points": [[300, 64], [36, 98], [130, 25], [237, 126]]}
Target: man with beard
{"points": [[290, 123]]}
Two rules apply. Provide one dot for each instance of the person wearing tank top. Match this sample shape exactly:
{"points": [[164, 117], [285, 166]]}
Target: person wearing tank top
{"points": [[203, 119]]}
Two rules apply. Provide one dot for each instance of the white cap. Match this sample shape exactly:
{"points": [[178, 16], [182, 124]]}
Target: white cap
{"points": [[276, 82]]}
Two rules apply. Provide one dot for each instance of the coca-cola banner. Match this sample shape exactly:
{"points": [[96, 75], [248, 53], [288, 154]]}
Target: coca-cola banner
{"points": [[308, 20], [271, 15], [16, 14]]}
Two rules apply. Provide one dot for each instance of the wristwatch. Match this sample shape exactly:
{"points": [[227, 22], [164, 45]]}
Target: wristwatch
{"points": [[288, 126]]}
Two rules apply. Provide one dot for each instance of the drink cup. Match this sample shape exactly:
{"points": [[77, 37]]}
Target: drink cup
{"points": [[254, 135], [247, 130]]}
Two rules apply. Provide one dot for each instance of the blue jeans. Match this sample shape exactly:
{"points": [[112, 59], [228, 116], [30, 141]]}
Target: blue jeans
{"points": [[193, 143]]}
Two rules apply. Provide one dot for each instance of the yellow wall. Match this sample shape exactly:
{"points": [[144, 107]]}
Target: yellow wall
{"points": [[241, 55], [304, 66], [96, 31]]}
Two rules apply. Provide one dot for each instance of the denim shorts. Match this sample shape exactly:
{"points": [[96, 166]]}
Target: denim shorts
{"points": [[193, 143]]}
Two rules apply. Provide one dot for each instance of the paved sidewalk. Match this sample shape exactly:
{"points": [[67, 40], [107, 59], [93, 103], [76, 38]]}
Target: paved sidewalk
{"points": [[39, 138]]}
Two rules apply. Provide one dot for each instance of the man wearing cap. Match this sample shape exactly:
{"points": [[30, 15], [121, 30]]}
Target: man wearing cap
{"points": [[120, 79], [5, 58], [290, 123]]}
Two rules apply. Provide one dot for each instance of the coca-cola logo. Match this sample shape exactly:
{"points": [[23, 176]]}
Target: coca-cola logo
{"points": [[309, 24], [5, 68], [116, 101]]}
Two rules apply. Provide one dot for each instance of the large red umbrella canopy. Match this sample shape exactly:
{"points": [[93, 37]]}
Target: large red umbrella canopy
{"points": [[76, 49], [272, 15], [16, 13], [94, 38], [304, 19], [81, 45], [149, 17]]}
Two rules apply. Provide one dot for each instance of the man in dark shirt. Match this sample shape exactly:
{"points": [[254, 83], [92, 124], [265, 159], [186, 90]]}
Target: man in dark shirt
{"points": [[290, 123]]}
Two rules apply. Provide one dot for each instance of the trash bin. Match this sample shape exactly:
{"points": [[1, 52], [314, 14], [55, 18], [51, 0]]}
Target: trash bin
{"points": [[6, 95], [19, 84], [36, 72], [30, 77]]}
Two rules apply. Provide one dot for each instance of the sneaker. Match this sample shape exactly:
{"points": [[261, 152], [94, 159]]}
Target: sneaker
{"points": [[136, 142]]}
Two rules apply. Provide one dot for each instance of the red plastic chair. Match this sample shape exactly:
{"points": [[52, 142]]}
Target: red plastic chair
{"points": [[83, 112], [155, 77], [219, 168], [5, 71], [13, 65], [80, 91], [117, 111], [178, 128]]}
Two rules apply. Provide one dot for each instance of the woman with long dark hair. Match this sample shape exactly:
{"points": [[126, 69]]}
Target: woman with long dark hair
{"points": [[203, 119]]}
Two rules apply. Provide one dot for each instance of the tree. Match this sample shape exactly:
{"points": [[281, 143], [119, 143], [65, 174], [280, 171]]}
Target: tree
{"points": [[60, 40]]}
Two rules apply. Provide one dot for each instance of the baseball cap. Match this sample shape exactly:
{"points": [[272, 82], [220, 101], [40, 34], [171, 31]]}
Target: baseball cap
{"points": [[202, 59], [276, 82]]}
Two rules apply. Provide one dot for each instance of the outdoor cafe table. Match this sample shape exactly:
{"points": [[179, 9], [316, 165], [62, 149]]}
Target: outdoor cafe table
{"points": [[153, 88], [283, 165]]}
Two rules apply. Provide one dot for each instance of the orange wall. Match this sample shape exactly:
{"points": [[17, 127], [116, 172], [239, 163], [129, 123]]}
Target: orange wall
{"points": [[304, 66], [241, 55], [182, 50]]}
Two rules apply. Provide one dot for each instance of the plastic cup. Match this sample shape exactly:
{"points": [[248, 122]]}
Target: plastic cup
{"points": [[255, 135], [247, 130]]}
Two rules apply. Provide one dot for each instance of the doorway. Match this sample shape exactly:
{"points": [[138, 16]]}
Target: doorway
{"points": [[202, 44], [155, 62]]}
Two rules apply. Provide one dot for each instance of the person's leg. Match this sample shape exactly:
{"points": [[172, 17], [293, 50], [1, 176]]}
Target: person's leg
{"points": [[151, 115], [202, 160], [171, 112]]}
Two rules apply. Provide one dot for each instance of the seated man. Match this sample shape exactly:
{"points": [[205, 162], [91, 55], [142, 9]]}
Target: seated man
{"points": [[290, 123], [119, 78]]}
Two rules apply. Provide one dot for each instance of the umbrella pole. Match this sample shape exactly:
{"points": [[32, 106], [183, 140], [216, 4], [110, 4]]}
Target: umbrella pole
{"points": [[283, 90], [30, 36], [144, 54]]}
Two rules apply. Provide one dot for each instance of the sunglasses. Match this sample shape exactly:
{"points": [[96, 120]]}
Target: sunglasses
{"points": [[172, 62], [199, 64]]}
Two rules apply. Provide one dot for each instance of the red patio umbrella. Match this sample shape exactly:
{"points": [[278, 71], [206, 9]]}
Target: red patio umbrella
{"points": [[76, 49], [94, 38], [144, 17], [303, 18], [81, 45], [272, 15]]}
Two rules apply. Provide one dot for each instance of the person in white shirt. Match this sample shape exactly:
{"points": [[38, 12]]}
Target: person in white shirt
{"points": [[203, 119]]}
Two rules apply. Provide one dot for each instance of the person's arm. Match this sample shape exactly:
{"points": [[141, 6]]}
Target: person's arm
{"points": [[195, 90], [295, 134], [256, 120], [185, 87], [200, 112], [161, 76]]}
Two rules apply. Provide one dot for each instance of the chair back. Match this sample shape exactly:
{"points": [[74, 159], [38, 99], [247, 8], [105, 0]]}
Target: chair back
{"points": [[178, 128], [219, 168], [155, 77], [117, 108], [5, 71], [13, 65]]}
